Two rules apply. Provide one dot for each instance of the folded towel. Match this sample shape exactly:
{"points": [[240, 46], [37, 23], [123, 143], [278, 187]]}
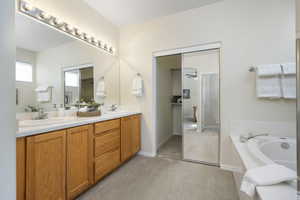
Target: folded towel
{"points": [[42, 88], [266, 176], [84, 109], [137, 86], [268, 70], [268, 87], [289, 83], [44, 93], [101, 89], [289, 68], [44, 96]]}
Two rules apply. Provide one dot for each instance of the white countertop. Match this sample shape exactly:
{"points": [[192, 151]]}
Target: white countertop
{"points": [[281, 191], [71, 122]]}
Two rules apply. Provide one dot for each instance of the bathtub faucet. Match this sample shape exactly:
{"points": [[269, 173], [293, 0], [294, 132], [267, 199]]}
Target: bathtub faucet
{"points": [[245, 138]]}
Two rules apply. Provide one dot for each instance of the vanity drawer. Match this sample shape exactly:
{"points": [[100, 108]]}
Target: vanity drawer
{"points": [[107, 125], [106, 163], [107, 141]]}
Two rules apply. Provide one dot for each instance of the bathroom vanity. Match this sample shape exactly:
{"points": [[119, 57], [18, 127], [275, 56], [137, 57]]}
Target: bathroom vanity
{"points": [[60, 161]]}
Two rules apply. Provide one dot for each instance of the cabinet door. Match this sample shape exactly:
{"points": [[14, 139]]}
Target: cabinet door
{"points": [[79, 160], [126, 138], [46, 166], [130, 136], [21, 163], [135, 134], [106, 163]]}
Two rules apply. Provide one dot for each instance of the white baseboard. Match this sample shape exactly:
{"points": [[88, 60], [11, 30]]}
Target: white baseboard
{"points": [[147, 154], [231, 168]]}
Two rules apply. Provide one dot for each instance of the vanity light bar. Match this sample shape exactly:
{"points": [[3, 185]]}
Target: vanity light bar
{"points": [[40, 15]]}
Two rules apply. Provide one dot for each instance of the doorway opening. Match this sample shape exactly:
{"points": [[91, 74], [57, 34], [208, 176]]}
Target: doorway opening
{"points": [[187, 104], [169, 106]]}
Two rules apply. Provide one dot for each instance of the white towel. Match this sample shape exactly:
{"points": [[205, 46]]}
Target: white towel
{"points": [[101, 89], [266, 176], [289, 80], [268, 70], [268, 87], [42, 88], [43, 93], [289, 68], [44, 96], [137, 86], [289, 83]]}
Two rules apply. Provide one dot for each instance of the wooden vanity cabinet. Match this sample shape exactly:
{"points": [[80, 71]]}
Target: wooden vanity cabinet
{"points": [[107, 147], [46, 166], [136, 133], [130, 136], [79, 160], [62, 164], [21, 164]]}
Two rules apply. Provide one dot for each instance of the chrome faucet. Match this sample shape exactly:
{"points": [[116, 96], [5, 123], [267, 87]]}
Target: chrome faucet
{"points": [[113, 107], [41, 114], [245, 138]]}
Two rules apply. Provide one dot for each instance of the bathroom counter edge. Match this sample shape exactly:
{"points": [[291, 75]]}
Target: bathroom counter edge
{"points": [[29, 131]]}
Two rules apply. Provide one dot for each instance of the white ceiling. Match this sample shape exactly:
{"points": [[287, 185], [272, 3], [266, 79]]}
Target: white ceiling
{"points": [[124, 12], [34, 36]]}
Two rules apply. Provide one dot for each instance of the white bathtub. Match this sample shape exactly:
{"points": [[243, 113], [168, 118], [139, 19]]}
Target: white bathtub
{"points": [[270, 150]]}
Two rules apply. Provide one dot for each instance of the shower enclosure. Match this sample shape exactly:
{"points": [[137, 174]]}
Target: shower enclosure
{"points": [[209, 101], [200, 114]]}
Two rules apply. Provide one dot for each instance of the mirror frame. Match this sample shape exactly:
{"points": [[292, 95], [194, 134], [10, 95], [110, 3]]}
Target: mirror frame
{"points": [[77, 67]]}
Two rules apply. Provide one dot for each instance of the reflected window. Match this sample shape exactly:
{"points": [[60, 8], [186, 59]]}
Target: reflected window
{"points": [[23, 72], [72, 79]]}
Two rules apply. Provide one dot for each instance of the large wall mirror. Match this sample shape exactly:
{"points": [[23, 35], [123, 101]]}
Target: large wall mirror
{"points": [[49, 59]]}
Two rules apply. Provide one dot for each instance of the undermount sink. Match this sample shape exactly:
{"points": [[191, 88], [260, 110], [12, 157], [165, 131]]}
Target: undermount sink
{"points": [[44, 122], [109, 112]]}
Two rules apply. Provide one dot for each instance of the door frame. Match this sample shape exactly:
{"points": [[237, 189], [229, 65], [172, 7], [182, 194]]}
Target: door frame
{"points": [[174, 51]]}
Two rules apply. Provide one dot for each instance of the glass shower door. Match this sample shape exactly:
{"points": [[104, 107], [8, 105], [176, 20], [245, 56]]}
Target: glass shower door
{"points": [[201, 121]]}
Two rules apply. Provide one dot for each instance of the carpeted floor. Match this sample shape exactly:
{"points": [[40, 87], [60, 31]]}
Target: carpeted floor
{"points": [[144, 178]]}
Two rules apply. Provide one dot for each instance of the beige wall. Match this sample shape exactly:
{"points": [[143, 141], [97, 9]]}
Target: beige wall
{"points": [[79, 14], [164, 95], [251, 31], [26, 95], [51, 61], [177, 109]]}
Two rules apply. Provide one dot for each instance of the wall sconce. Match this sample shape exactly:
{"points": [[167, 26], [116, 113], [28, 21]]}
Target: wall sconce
{"points": [[42, 16]]}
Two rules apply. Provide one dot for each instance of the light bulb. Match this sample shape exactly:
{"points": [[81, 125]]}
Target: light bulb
{"points": [[105, 47], [84, 36], [26, 6], [76, 32], [92, 40], [111, 50], [99, 43], [66, 27], [44, 16], [57, 22]]}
